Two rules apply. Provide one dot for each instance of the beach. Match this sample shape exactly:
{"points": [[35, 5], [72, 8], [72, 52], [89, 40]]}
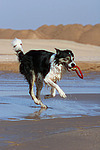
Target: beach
{"points": [[72, 134], [72, 123]]}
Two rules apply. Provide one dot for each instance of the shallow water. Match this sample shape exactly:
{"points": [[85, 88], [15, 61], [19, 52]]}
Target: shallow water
{"points": [[83, 98]]}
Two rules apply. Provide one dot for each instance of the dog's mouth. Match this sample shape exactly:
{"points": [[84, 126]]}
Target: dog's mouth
{"points": [[71, 66]]}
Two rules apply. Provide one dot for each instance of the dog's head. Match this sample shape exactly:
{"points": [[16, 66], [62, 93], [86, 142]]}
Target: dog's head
{"points": [[65, 57]]}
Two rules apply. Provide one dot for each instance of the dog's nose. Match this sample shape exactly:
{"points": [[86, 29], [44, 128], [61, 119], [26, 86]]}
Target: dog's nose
{"points": [[73, 65]]}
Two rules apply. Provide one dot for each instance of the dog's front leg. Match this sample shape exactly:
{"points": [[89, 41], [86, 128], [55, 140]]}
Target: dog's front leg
{"points": [[54, 85], [53, 91]]}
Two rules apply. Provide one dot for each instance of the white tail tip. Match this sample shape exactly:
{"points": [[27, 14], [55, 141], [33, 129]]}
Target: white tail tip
{"points": [[17, 44]]}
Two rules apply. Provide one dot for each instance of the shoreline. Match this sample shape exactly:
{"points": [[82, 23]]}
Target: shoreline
{"points": [[13, 66]]}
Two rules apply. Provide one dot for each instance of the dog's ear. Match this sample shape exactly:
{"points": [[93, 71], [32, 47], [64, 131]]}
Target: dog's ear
{"points": [[57, 51]]}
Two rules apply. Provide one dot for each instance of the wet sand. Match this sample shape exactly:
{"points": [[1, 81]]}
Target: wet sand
{"points": [[56, 134], [72, 123], [85, 66]]}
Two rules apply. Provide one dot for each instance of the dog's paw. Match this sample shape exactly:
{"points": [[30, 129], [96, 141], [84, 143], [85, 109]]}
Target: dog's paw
{"points": [[44, 106], [48, 96], [63, 95], [39, 102]]}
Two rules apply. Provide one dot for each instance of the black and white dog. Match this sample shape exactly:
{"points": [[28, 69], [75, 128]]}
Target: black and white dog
{"points": [[40, 66]]}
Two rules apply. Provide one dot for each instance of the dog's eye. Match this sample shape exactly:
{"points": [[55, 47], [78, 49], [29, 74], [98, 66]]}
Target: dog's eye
{"points": [[66, 59], [14, 46]]}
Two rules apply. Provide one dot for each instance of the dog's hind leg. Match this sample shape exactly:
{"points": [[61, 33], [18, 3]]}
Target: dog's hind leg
{"points": [[36, 100], [39, 85], [31, 84]]}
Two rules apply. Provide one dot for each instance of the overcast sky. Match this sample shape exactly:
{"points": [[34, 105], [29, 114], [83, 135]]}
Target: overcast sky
{"points": [[31, 14]]}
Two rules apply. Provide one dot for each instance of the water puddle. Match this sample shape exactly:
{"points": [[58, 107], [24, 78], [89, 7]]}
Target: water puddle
{"points": [[83, 98]]}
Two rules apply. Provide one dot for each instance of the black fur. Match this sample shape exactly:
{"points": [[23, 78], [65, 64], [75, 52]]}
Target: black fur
{"points": [[37, 60], [62, 54], [20, 55]]}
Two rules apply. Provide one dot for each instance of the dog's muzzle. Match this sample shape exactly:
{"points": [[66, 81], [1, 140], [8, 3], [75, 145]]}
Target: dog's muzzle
{"points": [[71, 65]]}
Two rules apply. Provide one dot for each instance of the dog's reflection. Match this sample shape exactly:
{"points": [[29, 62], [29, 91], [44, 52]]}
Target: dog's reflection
{"points": [[36, 115]]}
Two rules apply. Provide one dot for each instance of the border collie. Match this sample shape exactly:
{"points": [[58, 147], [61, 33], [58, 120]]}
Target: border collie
{"points": [[40, 66]]}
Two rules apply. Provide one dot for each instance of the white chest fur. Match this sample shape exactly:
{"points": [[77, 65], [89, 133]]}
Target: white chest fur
{"points": [[55, 72]]}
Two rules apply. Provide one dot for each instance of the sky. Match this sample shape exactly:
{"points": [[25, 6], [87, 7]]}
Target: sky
{"points": [[31, 14]]}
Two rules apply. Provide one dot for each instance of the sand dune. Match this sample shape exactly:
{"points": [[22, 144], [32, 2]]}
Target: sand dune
{"points": [[67, 32], [92, 36], [83, 34], [22, 34]]}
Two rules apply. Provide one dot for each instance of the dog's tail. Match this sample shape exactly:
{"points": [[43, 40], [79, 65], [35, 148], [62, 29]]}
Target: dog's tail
{"points": [[17, 45]]}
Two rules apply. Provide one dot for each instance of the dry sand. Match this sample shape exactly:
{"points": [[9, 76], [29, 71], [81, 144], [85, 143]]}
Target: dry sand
{"points": [[56, 134], [86, 56]]}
